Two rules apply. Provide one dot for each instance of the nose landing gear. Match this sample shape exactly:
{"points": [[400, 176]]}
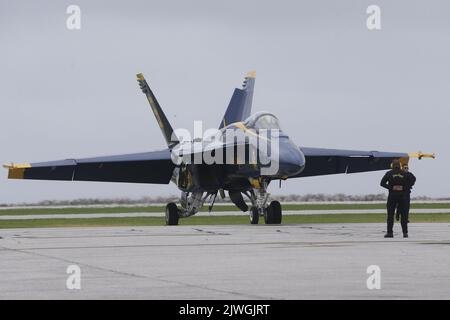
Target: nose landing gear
{"points": [[273, 213], [254, 215], [258, 195]]}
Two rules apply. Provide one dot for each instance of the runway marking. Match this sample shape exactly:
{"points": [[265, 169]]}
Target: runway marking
{"points": [[112, 236], [435, 243], [292, 243], [212, 232]]}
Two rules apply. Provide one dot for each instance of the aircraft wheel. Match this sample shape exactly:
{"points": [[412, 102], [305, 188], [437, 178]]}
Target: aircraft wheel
{"points": [[171, 214], [254, 215], [273, 213], [267, 216]]}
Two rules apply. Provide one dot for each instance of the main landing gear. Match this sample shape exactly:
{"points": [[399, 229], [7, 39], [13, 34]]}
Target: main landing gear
{"points": [[190, 204], [172, 215]]}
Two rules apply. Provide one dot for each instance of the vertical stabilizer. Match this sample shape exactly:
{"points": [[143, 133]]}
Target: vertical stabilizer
{"points": [[240, 105], [163, 123]]}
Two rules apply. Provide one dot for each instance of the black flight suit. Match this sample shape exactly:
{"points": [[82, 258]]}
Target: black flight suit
{"points": [[396, 182], [411, 180]]}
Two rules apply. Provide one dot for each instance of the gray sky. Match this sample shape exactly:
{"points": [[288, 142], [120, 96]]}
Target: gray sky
{"points": [[331, 81]]}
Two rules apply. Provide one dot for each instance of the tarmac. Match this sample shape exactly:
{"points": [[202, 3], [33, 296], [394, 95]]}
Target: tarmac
{"points": [[315, 261]]}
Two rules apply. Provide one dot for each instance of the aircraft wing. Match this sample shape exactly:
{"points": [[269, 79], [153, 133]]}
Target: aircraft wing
{"points": [[148, 167], [332, 161]]}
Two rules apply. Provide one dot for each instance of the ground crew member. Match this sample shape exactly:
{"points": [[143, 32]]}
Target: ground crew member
{"points": [[411, 181], [396, 182]]}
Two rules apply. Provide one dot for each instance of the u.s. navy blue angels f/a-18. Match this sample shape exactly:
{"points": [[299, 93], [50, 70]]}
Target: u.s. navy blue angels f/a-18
{"points": [[200, 181]]}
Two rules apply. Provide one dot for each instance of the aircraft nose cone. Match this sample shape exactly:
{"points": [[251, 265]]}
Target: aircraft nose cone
{"points": [[290, 169], [292, 160]]}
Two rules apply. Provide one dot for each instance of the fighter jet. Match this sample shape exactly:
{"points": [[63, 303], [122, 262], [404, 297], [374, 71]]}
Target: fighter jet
{"points": [[240, 168]]}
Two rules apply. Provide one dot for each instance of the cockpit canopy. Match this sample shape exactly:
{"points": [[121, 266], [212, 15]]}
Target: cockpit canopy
{"points": [[262, 120]]}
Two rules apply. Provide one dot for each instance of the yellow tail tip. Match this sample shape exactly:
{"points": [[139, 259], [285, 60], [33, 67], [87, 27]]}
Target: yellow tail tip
{"points": [[140, 76], [420, 155], [251, 74]]}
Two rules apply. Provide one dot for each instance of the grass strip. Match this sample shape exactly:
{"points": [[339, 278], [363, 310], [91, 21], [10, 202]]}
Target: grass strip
{"points": [[214, 220], [286, 207]]}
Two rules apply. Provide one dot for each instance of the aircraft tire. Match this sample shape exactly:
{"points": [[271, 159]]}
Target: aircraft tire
{"points": [[273, 213], [267, 216], [254, 215], [171, 214]]}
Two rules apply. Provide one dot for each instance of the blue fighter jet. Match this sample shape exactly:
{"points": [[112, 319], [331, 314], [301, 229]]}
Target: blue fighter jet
{"points": [[240, 168]]}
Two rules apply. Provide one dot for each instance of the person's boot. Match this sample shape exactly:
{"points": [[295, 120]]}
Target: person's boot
{"points": [[389, 235], [405, 235]]}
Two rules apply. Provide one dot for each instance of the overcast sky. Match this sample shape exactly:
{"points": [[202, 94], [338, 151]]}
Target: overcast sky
{"points": [[331, 81]]}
